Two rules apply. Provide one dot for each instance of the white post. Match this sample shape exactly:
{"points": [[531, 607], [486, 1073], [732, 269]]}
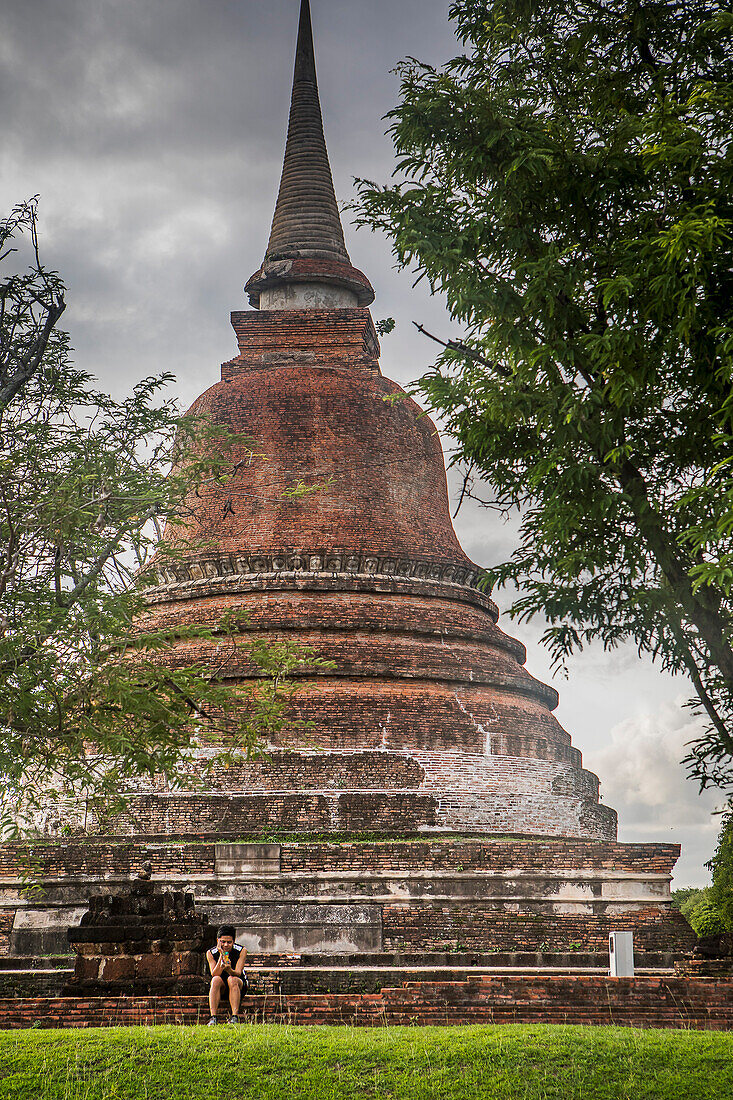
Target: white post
{"points": [[621, 954]]}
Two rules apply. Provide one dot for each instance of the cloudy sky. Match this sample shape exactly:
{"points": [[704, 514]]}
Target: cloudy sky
{"points": [[153, 131]]}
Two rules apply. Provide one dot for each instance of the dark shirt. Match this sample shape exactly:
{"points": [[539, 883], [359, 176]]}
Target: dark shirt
{"points": [[234, 955]]}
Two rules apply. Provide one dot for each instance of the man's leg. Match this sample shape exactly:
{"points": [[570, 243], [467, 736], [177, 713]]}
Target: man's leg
{"points": [[235, 993], [215, 991]]}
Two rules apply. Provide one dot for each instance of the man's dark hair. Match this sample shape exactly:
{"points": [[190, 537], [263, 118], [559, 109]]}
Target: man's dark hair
{"points": [[225, 930]]}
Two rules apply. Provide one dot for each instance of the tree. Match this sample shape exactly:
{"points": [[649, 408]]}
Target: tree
{"points": [[87, 701], [567, 183], [710, 910], [721, 865]]}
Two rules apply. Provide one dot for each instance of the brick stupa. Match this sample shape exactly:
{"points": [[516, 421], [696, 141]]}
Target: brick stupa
{"points": [[433, 803], [429, 720]]}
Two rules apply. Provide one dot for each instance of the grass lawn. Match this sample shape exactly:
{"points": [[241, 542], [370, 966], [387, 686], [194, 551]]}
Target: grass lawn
{"points": [[530, 1062]]}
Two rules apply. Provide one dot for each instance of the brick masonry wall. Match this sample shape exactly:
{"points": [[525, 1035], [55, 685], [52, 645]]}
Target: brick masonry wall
{"points": [[349, 811], [94, 856], [297, 771], [363, 713], [6, 925], [494, 854], [447, 692], [380, 462], [490, 928], [342, 612], [362, 655], [371, 811], [433, 694], [542, 814], [374, 790], [343, 337], [352, 711], [384, 770], [630, 1002], [481, 894]]}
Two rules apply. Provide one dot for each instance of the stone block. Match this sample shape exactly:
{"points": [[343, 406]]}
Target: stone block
{"points": [[247, 859], [153, 966], [188, 963], [125, 944], [288, 927], [87, 969], [120, 968]]}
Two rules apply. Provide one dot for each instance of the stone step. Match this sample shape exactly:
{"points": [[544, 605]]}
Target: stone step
{"points": [[648, 960], [372, 979], [47, 982], [296, 978], [562, 999], [302, 980], [36, 962]]}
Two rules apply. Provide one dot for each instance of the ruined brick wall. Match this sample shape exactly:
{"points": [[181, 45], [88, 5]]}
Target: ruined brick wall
{"points": [[496, 855], [232, 814], [140, 940], [489, 927], [298, 771], [6, 925], [379, 460], [383, 792], [460, 705], [334, 336], [389, 771], [487, 998], [484, 894], [94, 857]]}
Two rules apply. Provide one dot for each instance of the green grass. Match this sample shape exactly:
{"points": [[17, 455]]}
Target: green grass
{"points": [[295, 1063]]}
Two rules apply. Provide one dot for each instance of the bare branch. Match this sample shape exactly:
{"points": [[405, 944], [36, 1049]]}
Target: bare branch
{"points": [[464, 349]]}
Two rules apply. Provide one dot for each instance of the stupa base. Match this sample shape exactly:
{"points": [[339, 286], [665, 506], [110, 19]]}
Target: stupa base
{"points": [[361, 895]]}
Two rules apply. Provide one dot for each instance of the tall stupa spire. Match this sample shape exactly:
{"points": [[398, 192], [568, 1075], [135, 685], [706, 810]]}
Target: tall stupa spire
{"points": [[307, 221], [306, 264]]}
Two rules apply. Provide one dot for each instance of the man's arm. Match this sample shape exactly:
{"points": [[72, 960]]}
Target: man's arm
{"points": [[214, 966], [241, 961]]}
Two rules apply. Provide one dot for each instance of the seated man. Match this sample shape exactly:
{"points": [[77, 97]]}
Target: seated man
{"points": [[226, 962]]}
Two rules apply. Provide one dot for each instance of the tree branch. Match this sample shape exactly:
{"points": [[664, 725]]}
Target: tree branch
{"points": [[464, 349], [32, 360], [702, 693]]}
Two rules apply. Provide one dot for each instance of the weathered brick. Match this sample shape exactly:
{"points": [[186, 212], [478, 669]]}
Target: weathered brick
{"points": [[496, 999], [367, 570], [119, 968], [154, 966]]}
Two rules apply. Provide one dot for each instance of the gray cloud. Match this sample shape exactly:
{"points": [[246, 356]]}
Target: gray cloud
{"points": [[643, 780]]}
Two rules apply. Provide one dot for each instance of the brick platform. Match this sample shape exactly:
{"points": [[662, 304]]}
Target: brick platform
{"points": [[333, 531], [487, 999], [480, 894]]}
